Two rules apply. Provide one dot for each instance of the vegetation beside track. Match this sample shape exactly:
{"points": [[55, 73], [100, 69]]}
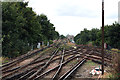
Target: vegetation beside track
{"points": [[67, 46], [90, 63], [116, 66], [4, 60], [23, 29], [94, 35], [115, 71]]}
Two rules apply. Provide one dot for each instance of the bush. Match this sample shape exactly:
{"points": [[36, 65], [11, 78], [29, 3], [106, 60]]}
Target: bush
{"points": [[116, 66], [50, 41]]}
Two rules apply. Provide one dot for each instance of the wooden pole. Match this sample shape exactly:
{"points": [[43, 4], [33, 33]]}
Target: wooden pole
{"points": [[102, 37]]}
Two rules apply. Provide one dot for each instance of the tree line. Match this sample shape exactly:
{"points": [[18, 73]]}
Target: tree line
{"points": [[111, 35], [23, 29]]}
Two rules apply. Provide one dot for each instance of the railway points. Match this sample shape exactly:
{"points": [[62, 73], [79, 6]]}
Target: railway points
{"points": [[59, 63]]}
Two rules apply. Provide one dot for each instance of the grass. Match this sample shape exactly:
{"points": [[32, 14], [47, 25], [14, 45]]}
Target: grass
{"points": [[3, 60], [113, 49], [47, 51], [72, 62], [68, 45], [116, 66], [114, 77], [90, 63], [115, 74]]}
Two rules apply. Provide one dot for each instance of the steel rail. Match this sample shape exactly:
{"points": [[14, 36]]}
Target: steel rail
{"points": [[41, 69], [20, 59], [30, 70], [77, 50], [26, 55], [56, 74], [21, 67], [65, 62], [68, 73]]}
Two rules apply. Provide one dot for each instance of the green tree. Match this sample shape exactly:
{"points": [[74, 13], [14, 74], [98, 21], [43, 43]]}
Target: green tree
{"points": [[111, 34], [62, 36], [23, 28]]}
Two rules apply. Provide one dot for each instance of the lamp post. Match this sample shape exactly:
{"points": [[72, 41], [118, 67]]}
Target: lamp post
{"points": [[102, 37]]}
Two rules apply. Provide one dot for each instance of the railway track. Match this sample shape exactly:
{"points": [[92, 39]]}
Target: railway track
{"points": [[29, 64], [41, 69], [38, 67], [18, 68], [21, 58], [57, 72], [9, 67], [74, 68], [58, 67]]}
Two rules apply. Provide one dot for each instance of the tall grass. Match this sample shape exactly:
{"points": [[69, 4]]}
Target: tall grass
{"points": [[116, 66]]}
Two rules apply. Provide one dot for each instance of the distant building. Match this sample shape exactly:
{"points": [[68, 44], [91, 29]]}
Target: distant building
{"points": [[119, 12], [70, 38]]}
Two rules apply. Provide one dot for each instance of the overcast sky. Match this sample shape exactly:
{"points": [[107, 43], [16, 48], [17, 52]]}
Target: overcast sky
{"points": [[72, 16]]}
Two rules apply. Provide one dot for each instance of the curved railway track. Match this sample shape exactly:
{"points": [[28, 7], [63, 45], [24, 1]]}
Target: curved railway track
{"points": [[9, 67], [38, 67], [22, 58]]}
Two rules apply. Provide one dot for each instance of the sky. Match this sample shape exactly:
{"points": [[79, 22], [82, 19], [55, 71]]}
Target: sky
{"points": [[72, 16]]}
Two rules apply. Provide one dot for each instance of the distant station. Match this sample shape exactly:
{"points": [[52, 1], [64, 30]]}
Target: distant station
{"points": [[70, 38]]}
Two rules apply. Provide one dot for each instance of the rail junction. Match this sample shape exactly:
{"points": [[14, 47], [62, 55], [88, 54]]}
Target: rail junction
{"points": [[52, 63]]}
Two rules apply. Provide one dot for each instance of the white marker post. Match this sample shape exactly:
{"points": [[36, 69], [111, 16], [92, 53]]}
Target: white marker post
{"points": [[47, 43]]}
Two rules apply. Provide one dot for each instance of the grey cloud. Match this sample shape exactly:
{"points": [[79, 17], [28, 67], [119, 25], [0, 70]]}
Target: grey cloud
{"points": [[74, 10], [112, 16]]}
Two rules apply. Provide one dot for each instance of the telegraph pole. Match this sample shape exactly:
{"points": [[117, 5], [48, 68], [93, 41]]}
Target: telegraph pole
{"points": [[102, 37]]}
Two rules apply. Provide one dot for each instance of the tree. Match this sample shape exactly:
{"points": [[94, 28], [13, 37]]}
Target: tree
{"points": [[111, 34], [23, 28], [48, 29], [62, 36]]}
